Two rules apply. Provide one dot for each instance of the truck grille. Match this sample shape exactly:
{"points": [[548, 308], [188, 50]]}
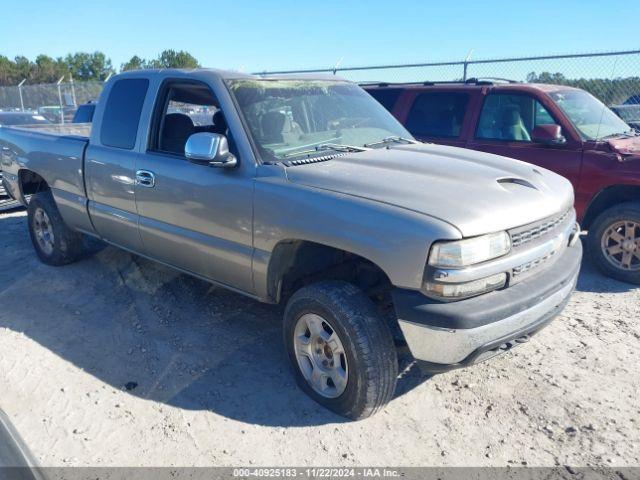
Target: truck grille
{"points": [[527, 235], [527, 267]]}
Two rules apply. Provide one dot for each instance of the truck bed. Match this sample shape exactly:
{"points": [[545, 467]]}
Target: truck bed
{"points": [[69, 129], [55, 152]]}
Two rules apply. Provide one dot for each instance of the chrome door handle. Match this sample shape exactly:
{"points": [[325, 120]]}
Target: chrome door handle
{"points": [[145, 178]]}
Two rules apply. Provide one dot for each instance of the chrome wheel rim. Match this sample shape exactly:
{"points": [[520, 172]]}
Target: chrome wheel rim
{"points": [[43, 231], [621, 245], [320, 355]]}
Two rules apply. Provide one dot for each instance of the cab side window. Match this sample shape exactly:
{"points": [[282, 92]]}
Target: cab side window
{"points": [[511, 117], [182, 109], [437, 114]]}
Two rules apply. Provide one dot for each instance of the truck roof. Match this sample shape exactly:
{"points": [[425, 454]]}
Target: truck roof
{"points": [[226, 74], [472, 84]]}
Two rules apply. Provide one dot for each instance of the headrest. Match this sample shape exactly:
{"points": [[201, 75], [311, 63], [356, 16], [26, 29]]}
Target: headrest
{"points": [[177, 125], [511, 116], [219, 123], [273, 123]]}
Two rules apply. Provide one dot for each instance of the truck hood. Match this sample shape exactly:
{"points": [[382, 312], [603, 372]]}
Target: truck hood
{"points": [[629, 147], [474, 191]]}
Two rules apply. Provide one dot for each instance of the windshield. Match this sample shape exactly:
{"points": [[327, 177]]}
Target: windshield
{"points": [[290, 117], [590, 116]]}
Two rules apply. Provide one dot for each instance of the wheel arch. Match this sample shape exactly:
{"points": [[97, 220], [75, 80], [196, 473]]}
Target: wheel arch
{"points": [[607, 198], [294, 263], [30, 183]]}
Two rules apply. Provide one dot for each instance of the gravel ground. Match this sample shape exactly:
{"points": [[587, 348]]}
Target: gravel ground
{"points": [[116, 361]]}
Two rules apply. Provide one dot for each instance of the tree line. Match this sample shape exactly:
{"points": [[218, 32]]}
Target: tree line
{"points": [[96, 66], [82, 66], [610, 91]]}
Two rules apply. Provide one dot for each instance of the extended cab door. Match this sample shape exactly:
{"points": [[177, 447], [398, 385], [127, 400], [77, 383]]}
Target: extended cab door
{"points": [[110, 163], [505, 124], [193, 216]]}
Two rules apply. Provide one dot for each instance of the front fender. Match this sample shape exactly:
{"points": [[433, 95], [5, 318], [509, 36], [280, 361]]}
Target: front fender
{"points": [[394, 239]]}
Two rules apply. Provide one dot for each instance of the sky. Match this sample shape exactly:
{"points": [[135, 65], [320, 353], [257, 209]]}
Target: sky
{"points": [[280, 35]]}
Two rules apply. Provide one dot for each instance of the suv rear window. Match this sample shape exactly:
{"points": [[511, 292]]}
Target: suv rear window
{"points": [[437, 114], [122, 113], [387, 97]]}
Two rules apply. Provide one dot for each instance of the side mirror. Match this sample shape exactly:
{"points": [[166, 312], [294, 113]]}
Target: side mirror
{"points": [[211, 149], [549, 134]]}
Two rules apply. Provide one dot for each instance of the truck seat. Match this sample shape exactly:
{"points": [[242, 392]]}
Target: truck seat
{"points": [[177, 128], [513, 127]]}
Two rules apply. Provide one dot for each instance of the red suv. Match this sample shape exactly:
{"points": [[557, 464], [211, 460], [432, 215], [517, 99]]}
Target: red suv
{"points": [[563, 129]]}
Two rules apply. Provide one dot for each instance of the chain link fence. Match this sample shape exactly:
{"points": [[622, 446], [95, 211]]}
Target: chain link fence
{"points": [[613, 77], [55, 101]]}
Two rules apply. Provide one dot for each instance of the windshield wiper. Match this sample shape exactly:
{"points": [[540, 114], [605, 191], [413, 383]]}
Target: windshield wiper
{"points": [[392, 139], [327, 146]]}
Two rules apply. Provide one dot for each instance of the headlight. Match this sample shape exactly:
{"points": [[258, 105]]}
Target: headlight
{"points": [[458, 291], [462, 253]]}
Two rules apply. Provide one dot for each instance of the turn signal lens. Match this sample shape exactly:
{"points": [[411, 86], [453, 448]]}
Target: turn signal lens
{"points": [[457, 291]]}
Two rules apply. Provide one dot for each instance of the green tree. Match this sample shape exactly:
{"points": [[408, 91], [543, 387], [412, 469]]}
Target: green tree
{"points": [[134, 63], [611, 91], [24, 68], [173, 59], [7, 71], [83, 66], [49, 70], [88, 66]]}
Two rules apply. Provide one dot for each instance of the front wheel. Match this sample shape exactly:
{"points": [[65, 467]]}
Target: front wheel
{"points": [[614, 242], [341, 349]]}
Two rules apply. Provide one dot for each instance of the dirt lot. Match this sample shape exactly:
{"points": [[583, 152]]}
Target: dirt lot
{"points": [[118, 361]]}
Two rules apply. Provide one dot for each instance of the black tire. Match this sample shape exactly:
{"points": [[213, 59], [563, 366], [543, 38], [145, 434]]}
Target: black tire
{"points": [[67, 245], [368, 345], [619, 213]]}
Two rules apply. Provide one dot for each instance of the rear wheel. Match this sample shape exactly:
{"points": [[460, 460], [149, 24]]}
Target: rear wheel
{"points": [[614, 242], [54, 242], [341, 349]]}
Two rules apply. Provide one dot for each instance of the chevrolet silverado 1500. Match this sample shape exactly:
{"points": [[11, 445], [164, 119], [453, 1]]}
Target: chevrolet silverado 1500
{"points": [[307, 191]]}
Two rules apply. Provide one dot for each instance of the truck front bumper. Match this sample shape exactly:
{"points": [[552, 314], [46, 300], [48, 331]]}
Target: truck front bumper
{"points": [[444, 336]]}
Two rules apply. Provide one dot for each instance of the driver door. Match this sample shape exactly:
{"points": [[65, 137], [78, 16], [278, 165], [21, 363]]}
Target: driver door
{"points": [[192, 216], [505, 126]]}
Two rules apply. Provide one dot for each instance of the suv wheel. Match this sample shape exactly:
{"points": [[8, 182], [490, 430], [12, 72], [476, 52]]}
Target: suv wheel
{"points": [[340, 348], [614, 242], [54, 242]]}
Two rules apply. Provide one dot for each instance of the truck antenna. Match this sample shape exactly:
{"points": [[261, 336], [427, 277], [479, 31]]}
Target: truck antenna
{"points": [[335, 67], [604, 106]]}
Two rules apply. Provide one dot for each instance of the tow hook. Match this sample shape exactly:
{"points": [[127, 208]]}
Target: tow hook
{"points": [[575, 234]]}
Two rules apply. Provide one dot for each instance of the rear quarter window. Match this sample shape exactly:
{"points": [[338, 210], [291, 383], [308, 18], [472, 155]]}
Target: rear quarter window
{"points": [[437, 114], [387, 97], [122, 113]]}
